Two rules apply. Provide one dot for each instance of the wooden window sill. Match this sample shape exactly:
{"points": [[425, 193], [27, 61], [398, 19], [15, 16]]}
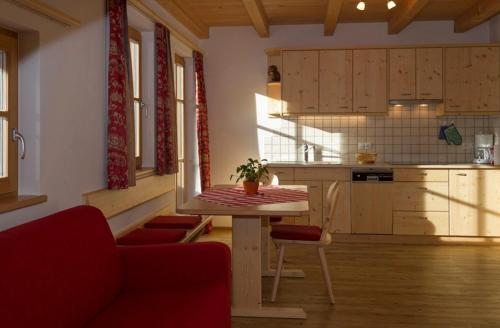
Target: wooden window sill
{"points": [[11, 203], [144, 173]]}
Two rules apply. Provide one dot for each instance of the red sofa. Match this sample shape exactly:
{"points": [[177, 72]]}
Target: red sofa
{"points": [[65, 270]]}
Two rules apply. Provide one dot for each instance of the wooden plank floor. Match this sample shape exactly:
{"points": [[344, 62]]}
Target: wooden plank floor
{"points": [[377, 285]]}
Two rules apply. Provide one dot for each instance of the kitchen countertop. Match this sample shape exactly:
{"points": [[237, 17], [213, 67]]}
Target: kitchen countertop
{"points": [[384, 165]]}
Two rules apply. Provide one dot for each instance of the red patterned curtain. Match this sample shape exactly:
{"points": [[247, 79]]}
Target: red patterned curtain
{"points": [[202, 122], [166, 114], [121, 155]]}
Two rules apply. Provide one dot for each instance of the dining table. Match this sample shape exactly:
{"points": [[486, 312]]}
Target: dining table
{"points": [[251, 248]]}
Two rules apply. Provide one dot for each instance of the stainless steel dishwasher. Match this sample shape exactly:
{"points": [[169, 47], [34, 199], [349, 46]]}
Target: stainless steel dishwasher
{"points": [[371, 200]]}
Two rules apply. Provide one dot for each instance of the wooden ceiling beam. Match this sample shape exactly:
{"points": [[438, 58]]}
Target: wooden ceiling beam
{"points": [[258, 16], [332, 15], [188, 19], [404, 14], [479, 13]]}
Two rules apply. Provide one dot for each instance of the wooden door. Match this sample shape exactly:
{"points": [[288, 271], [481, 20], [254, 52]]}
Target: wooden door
{"points": [[371, 208], [342, 215], [429, 73], [300, 82], [474, 203], [402, 74], [472, 79], [335, 81], [370, 81]]}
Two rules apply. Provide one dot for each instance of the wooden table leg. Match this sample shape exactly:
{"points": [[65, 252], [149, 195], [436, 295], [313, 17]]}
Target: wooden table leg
{"points": [[268, 251], [247, 272]]}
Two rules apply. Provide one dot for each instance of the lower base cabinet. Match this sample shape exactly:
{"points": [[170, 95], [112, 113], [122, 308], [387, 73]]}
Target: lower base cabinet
{"points": [[421, 223], [342, 215], [475, 203], [371, 208]]}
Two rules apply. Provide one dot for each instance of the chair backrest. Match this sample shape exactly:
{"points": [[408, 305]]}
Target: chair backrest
{"points": [[58, 271], [272, 180], [332, 200]]}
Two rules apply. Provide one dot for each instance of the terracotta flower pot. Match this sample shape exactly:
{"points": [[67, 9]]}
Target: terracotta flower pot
{"points": [[251, 187]]}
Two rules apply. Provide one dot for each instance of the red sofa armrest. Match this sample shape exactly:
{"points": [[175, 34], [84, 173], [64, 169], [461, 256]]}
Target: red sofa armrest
{"points": [[156, 266]]}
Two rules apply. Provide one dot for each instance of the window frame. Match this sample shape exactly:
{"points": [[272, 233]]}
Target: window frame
{"points": [[9, 44], [180, 61], [136, 37]]}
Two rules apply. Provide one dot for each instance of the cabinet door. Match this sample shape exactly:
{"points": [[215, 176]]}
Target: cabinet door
{"points": [[300, 81], [474, 203], [421, 196], [472, 79], [335, 81], [371, 208], [370, 80], [342, 215], [402, 74], [429, 77], [315, 189]]}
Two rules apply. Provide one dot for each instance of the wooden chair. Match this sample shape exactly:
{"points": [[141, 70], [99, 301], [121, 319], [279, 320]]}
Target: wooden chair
{"points": [[307, 235]]}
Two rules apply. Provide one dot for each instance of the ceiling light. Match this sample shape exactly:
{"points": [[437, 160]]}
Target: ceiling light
{"points": [[361, 5], [391, 4]]}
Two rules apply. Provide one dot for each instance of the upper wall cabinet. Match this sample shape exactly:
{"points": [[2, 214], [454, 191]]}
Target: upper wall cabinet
{"points": [[472, 79], [429, 76], [370, 80], [300, 82], [402, 74], [416, 73], [335, 81]]}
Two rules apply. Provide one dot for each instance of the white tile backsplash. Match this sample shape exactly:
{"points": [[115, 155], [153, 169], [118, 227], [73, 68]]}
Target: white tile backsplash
{"points": [[405, 134]]}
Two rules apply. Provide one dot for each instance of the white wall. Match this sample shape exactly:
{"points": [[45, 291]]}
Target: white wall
{"points": [[63, 112], [236, 68]]}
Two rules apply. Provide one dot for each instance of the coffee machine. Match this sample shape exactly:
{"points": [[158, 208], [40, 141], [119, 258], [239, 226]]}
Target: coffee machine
{"points": [[483, 149]]}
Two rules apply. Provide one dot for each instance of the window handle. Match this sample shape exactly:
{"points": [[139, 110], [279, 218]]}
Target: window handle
{"points": [[16, 136]]}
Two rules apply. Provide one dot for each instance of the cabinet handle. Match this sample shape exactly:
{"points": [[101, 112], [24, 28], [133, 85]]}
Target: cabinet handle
{"points": [[422, 188], [423, 174], [344, 107], [462, 174], [425, 94], [310, 107], [363, 107], [406, 94], [454, 106]]}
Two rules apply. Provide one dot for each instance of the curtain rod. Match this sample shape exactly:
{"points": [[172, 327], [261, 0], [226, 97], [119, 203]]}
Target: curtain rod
{"points": [[145, 10]]}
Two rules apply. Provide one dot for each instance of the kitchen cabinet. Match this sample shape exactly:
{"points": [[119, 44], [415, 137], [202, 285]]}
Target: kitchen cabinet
{"points": [[429, 73], [474, 202], [371, 208], [335, 81], [342, 215], [421, 196], [300, 82], [421, 223], [315, 216], [420, 175], [402, 74], [472, 82], [370, 80]]}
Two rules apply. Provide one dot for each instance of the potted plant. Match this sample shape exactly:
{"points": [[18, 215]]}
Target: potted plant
{"points": [[250, 173]]}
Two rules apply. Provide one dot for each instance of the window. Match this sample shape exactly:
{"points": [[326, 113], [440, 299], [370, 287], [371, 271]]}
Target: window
{"points": [[135, 53], [179, 94], [8, 111]]}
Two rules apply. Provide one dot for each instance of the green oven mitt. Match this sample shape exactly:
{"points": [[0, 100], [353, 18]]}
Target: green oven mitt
{"points": [[452, 135]]}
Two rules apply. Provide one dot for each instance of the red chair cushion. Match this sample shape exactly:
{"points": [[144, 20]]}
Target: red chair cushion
{"points": [[179, 306], [275, 219], [296, 232], [151, 236], [174, 222]]}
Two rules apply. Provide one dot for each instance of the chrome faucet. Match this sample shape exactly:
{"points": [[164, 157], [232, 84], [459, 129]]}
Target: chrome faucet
{"points": [[307, 149]]}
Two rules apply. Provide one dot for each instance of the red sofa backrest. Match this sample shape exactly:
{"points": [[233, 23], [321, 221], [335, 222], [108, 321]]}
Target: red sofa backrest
{"points": [[58, 271]]}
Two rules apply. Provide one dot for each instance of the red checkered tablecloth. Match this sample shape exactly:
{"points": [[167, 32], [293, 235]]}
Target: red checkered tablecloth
{"points": [[236, 197]]}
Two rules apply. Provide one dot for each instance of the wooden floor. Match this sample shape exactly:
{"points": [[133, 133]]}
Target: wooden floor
{"points": [[377, 285]]}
